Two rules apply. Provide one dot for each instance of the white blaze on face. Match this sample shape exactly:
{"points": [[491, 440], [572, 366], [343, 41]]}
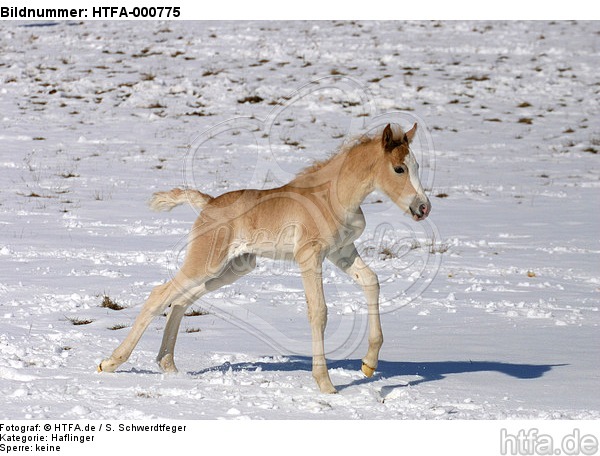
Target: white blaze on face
{"points": [[413, 171]]}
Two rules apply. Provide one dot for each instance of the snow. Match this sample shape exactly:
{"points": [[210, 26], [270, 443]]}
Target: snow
{"points": [[489, 308]]}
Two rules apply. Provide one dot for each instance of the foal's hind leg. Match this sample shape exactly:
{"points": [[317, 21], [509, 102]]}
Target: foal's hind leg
{"points": [[165, 355], [159, 299], [205, 258], [234, 270], [349, 261]]}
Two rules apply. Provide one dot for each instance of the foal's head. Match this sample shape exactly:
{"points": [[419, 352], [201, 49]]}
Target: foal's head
{"points": [[398, 173]]}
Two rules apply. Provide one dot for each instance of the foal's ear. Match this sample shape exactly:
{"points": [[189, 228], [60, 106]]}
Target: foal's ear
{"points": [[409, 135], [387, 139]]}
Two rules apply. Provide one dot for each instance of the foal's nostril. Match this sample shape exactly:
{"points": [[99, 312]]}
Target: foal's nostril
{"points": [[423, 209]]}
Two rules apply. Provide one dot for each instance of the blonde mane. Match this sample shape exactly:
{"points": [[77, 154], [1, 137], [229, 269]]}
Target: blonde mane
{"points": [[347, 146]]}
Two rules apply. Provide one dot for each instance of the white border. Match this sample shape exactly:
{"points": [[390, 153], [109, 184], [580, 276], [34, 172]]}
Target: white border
{"points": [[302, 438], [348, 9]]}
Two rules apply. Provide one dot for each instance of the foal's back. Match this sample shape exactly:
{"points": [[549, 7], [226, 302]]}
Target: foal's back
{"points": [[268, 223]]}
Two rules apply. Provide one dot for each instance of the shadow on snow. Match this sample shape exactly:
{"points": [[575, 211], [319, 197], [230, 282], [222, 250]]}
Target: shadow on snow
{"points": [[427, 371]]}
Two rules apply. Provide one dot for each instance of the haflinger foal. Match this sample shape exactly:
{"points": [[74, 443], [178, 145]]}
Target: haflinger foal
{"points": [[314, 217]]}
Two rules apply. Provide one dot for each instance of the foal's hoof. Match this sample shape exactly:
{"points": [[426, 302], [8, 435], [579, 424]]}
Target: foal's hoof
{"points": [[326, 387], [367, 370], [106, 366], [329, 390], [167, 365]]}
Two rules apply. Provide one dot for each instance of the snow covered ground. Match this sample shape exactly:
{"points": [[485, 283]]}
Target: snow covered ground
{"points": [[489, 308]]}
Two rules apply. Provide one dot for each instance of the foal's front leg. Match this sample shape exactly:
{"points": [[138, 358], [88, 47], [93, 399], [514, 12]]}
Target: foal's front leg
{"points": [[349, 261], [317, 314]]}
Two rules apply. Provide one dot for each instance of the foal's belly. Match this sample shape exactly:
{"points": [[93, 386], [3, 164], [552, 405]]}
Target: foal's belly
{"points": [[291, 239]]}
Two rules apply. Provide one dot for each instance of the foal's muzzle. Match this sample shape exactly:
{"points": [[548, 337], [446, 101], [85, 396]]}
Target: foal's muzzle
{"points": [[420, 208]]}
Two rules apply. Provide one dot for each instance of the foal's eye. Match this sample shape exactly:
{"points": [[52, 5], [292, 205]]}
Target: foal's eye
{"points": [[399, 169]]}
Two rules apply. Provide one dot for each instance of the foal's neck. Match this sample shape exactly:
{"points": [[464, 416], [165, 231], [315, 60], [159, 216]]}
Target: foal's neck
{"points": [[356, 176], [349, 177]]}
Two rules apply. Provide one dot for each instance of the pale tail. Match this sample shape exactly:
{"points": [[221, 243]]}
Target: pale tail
{"points": [[165, 201]]}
